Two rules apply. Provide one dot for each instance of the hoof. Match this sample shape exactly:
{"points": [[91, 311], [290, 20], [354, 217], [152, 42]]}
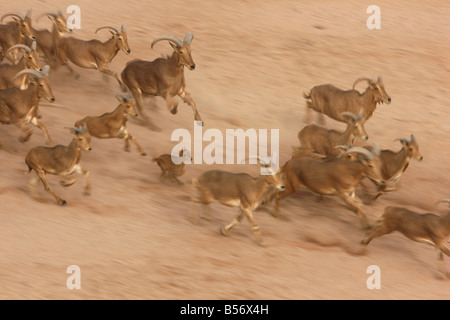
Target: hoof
{"points": [[144, 154], [62, 202], [223, 232], [174, 110]]}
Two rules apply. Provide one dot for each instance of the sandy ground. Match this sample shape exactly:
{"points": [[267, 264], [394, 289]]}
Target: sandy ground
{"points": [[131, 238]]}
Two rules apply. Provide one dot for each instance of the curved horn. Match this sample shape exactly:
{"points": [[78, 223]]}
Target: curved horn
{"points": [[108, 27], [34, 73], [360, 80], [19, 46], [188, 38], [402, 140], [375, 150], [447, 201], [45, 70], [172, 39], [369, 155], [18, 15], [349, 114], [46, 14]]}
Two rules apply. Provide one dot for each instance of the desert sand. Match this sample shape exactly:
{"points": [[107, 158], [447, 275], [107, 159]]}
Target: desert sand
{"points": [[131, 238]]}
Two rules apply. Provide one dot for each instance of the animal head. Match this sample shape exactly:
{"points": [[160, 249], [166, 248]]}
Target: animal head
{"points": [[377, 88], [58, 20], [370, 159], [181, 48], [29, 54], [356, 124], [120, 37], [82, 137], [412, 147], [129, 103], [39, 79]]}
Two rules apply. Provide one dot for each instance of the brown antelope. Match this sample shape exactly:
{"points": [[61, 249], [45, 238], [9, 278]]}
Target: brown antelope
{"points": [[59, 160], [393, 164], [425, 228], [14, 33], [331, 101], [45, 38], [323, 141], [237, 190], [8, 71], [335, 177], [113, 124], [92, 54], [170, 170], [20, 107], [162, 77]]}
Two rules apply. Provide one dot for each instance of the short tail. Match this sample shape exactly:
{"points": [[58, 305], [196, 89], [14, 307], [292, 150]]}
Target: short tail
{"points": [[306, 95]]}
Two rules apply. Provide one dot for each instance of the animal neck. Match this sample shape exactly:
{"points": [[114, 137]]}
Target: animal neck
{"points": [[112, 47], [369, 101], [401, 160], [33, 94], [175, 61], [119, 113], [74, 151], [347, 136]]}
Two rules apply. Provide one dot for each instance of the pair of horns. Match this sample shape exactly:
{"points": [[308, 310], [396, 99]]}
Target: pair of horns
{"points": [[23, 47], [123, 29], [369, 155], [38, 75], [352, 115], [76, 130], [17, 15], [50, 14], [369, 81], [406, 141], [187, 39]]}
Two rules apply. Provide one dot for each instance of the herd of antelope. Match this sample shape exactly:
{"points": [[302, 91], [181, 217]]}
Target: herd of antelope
{"points": [[326, 162]]}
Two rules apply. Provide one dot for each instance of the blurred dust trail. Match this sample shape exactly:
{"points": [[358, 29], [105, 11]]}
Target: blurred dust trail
{"points": [[336, 243]]}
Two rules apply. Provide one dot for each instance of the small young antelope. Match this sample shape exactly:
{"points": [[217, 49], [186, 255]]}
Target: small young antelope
{"points": [[113, 124], [59, 160], [171, 170]]}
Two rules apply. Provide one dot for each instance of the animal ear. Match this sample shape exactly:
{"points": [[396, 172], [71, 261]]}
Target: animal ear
{"points": [[121, 98], [74, 130]]}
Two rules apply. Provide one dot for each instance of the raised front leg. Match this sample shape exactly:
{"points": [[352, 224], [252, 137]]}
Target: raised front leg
{"points": [[87, 186], [127, 137], [188, 99], [357, 206]]}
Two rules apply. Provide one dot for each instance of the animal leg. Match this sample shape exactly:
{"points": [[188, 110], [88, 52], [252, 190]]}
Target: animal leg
{"points": [[356, 205], [129, 137], [27, 132], [66, 181], [378, 230], [87, 186], [38, 123], [255, 227], [224, 229], [137, 94], [171, 103], [188, 99], [41, 175], [113, 74]]}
